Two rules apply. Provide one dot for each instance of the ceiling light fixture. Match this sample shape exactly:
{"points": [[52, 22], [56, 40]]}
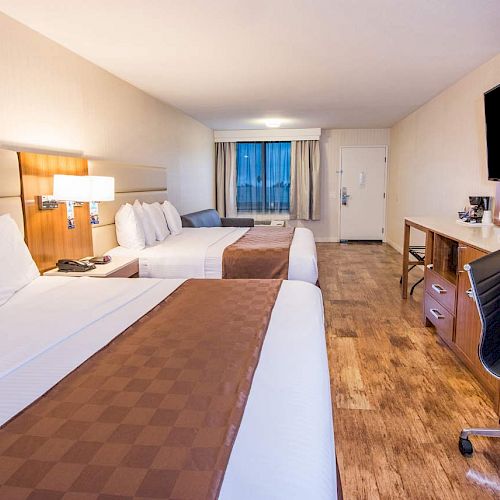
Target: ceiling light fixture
{"points": [[273, 123]]}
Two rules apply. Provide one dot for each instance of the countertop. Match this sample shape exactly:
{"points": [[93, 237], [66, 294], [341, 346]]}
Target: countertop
{"points": [[485, 238]]}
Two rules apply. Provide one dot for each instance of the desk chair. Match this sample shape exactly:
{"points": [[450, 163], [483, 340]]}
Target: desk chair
{"points": [[484, 275]]}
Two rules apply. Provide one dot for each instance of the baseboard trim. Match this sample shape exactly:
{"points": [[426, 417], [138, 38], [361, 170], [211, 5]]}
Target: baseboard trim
{"points": [[325, 239], [396, 247]]}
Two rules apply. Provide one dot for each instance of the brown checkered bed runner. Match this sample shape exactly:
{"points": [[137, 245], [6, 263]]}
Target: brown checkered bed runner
{"points": [[156, 412], [262, 252]]}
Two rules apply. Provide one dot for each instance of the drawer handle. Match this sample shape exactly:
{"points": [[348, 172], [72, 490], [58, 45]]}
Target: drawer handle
{"points": [[470, 293], [430, 266], [436, 314], [438, 288]]}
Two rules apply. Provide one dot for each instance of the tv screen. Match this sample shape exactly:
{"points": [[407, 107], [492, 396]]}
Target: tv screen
{"points": [[492, 112]]}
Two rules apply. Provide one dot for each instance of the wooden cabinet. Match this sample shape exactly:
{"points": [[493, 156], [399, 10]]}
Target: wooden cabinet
{"points": [[440, 289], [448, 248], [449, 308], [440, 279], [468, 325], [440, 317]]}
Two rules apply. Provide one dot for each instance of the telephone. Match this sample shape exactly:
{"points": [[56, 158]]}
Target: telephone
{"points": [[104, 259], [74, 266]]}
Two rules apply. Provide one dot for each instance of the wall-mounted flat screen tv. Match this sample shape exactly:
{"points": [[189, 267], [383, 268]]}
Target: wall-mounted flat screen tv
{"points": [[492, 113]]}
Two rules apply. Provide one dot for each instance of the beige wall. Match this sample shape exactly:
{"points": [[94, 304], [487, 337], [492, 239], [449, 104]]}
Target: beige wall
{"points": [[53, 100], [327, 229], [437, 156]]}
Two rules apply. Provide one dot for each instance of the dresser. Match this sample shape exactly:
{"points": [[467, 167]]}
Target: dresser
{"points": [[448, 304]]}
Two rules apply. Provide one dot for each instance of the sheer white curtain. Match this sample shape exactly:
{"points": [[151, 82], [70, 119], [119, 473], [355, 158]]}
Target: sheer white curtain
{"points": [[304, 180], [225, 162]]}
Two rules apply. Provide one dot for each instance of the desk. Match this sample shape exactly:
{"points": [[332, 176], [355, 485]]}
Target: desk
{"points": [[447, 306], [484, 239]]}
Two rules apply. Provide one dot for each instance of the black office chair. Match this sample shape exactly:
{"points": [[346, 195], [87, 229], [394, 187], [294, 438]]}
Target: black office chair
{"points": [[484, 275]]}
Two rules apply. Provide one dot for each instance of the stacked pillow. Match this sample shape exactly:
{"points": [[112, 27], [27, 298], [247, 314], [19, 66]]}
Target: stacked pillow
{"points": [[142, 225], [155, 214], [173, 218], [129, 230], [18, 268], [147, 225]]}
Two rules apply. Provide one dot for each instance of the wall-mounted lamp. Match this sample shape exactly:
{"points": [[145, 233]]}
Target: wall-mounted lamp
{"points": [[83, 188]]}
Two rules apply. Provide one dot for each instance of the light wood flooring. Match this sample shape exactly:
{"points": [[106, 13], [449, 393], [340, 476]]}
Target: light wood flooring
{"points": [[399, 396]]}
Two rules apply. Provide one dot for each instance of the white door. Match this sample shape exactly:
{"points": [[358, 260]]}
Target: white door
{"points": [[362, 193]]}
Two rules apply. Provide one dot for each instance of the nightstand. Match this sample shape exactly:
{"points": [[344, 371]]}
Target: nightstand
{"points": [[119, 267]]}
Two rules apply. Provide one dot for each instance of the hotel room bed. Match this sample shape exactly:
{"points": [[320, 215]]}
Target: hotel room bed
{"points": [[284, 446], [198, 252]]}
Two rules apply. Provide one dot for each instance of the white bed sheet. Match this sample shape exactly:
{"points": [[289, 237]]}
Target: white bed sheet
{"points": [[47, 363], [197, 253], [284, 447]]}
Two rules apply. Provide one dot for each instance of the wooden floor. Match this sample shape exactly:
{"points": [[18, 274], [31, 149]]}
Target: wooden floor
{"points": [[399, 396]]}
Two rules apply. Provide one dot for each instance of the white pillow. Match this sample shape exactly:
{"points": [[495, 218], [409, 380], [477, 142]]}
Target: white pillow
{"points": [[147, 225], [129, 232], [157, 218], [173, 218], [17, 268]]}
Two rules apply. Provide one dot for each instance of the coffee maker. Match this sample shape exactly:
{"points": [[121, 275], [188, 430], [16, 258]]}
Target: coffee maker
{"points": [[478, 206]]}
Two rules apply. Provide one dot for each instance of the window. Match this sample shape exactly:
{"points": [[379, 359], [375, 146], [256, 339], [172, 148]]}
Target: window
{"points": [[263, 176]]}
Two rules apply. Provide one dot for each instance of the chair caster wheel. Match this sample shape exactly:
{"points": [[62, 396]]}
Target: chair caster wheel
{"points": [[465, 447]]}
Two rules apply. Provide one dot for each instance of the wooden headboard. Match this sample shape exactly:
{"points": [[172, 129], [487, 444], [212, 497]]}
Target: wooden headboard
{"points": [[132, 182], [10, 187], [46, 232]]}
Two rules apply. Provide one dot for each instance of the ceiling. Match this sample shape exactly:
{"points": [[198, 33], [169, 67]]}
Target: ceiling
{"points": [[314, 63]]}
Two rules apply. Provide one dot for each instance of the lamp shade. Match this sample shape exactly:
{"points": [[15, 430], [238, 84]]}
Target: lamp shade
{"points": [[70, 187], [101, 188], [84, 188]]}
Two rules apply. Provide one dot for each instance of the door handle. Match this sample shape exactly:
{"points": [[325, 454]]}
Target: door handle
{"points": [[438, 288], [344, 196], [436, 313]]}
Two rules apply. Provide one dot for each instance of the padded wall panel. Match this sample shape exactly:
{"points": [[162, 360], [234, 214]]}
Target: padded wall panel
{"points": [[108, 209], [10, 182], [104, 238], [12, 205], [130, 178], [132, 182]]}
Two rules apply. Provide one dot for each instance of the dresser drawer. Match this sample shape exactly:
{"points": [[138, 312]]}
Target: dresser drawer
{"points": [[440, 289], [441, 318]]}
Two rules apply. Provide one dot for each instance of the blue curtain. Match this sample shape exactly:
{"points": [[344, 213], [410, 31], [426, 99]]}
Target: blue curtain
{"points": [[263, 176], [249, 177], [277, 176]]}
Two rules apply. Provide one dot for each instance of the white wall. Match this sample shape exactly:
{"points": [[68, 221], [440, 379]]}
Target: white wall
{"points": [[327, 229], [437, 156], [54, 100]]}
